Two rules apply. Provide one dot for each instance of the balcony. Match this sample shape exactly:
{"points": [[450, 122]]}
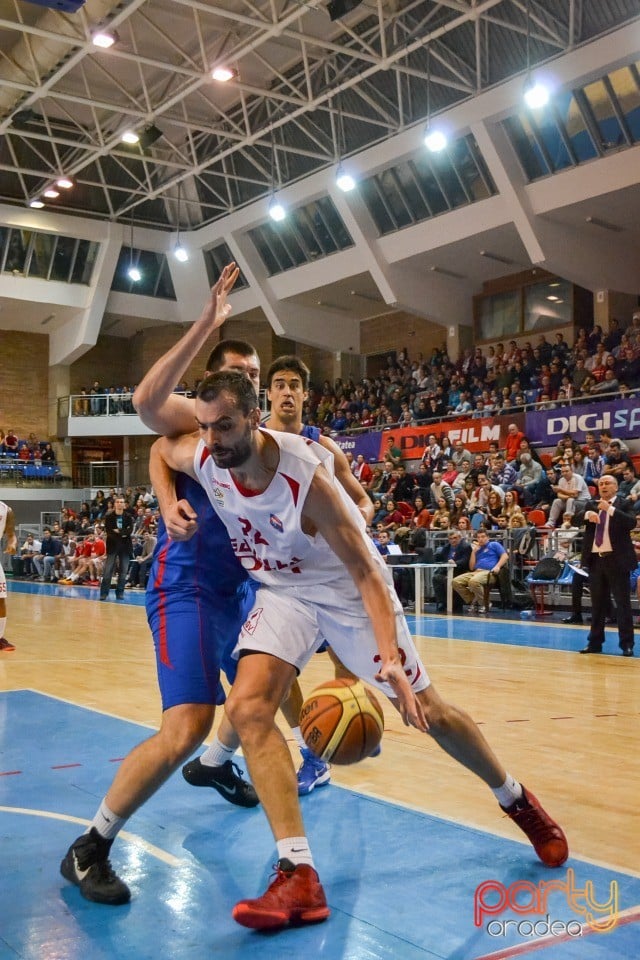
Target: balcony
{"points": [[99, 415]]}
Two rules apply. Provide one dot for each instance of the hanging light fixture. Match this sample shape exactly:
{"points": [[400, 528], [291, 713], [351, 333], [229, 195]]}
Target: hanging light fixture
{"points": [[180, 253], [133, 272], [536, 93], [435, 139], [345, 181], [277, 210]]}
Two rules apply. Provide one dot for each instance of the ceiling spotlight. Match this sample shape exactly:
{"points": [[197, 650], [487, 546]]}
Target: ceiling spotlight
{"points": [[435, 140], [64, 183], [130, 136], [276, 211], [181, 253], [104, 39], [536, 94], [134, 274], [52, 193], [344, 180], [223, 74], [36, 204]]}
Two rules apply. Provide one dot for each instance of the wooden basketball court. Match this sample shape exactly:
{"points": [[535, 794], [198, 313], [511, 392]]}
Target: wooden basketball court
{"points": [[402, 841]]}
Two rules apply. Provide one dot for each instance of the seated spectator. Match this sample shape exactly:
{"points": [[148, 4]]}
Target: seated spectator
{"points": [[44, 561], [626, 484], [464, 526], [455, 552], [493, 510], [517, 520], [465, 471], [405, 487], [570, 491], [361, 470], [459, 507], [11, 441], [140, 565], [512, 443], [528, 477], [510, 504], [449, 473], [392, 518], [30, 548], [24, 454], [487, 557], [502, 474], [62, 564], [440, 489], [48, 454], [441, 517], [616, 461]]}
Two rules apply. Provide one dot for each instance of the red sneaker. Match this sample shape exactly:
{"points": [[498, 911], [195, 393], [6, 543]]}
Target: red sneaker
{"points": [[294, 896], [547, 837], [5, 645]]}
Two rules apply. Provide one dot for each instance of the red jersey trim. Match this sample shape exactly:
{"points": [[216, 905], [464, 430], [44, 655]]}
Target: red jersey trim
{"points": [[294, 487]]}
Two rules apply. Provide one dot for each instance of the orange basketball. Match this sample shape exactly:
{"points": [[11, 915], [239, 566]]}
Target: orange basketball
{"points": [[342, 721]]}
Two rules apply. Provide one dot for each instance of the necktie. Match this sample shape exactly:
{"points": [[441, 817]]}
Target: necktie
{"points": [[599, 537]]}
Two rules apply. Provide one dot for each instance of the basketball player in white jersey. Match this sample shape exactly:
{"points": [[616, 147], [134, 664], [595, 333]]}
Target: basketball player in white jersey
{"points": [[287, 389], [8, 529], [298, 534]]}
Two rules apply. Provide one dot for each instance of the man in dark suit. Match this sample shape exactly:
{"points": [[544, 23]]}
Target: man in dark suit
{"points": [[458, 550], [609, 555]]}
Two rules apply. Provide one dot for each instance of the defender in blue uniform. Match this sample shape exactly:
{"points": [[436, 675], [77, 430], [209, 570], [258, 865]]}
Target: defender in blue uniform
{"points": [[197, 598]]}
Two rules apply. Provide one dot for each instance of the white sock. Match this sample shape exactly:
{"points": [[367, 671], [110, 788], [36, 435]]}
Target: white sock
{"points": [[297, 733], [295, 849], [509, 792], [3, 626], [217, 754], [107, 823]]}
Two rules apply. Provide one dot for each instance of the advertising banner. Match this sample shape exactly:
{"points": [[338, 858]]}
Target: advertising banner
{"points": [[620, 417], [475, 435]]}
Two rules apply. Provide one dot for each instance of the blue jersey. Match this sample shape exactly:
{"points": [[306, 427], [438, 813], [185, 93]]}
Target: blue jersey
{"points": [[311, 433], [198, 597]]}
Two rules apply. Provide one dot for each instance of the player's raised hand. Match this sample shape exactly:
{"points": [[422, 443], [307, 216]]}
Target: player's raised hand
{"points": [[216, 309], [411, 711], [181, 520]]}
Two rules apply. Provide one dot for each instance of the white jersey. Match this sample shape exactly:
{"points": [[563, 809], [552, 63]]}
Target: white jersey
{"points": [[266, 528], [307, 594]]}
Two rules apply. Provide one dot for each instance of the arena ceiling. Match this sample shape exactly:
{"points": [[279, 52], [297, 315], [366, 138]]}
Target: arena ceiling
{"points": [[306, 91]]}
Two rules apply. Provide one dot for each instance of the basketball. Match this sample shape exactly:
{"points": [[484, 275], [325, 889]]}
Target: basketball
{"points": [[342, 721]]}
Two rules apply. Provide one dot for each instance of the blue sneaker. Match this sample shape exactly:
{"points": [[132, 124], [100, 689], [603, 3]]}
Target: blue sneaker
{"points": [[313, 773]]}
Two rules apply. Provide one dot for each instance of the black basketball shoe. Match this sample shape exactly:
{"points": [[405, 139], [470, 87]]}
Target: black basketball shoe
{"points": [[226, 779], [87, 865]]}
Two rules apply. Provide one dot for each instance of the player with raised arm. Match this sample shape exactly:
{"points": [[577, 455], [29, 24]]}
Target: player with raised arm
{"points": [[298, 534]]}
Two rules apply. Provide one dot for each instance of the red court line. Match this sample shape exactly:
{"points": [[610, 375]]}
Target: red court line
{"points": [[9, 773], [66, 766], [521, 949], [116, 759]]}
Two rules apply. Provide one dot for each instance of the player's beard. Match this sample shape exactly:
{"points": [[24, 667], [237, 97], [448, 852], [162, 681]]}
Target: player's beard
{"points": [[230, 457]]}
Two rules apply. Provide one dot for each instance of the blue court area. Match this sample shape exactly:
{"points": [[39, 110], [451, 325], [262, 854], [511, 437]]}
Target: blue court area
{"points": [[36, 587], [401, 884]]}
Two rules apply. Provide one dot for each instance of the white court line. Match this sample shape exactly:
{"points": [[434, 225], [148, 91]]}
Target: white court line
{"points": [[131, 837]]}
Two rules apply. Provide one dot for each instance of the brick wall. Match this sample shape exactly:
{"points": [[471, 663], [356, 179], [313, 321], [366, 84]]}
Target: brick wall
{"points": [[396, 330], [24, 383]]}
